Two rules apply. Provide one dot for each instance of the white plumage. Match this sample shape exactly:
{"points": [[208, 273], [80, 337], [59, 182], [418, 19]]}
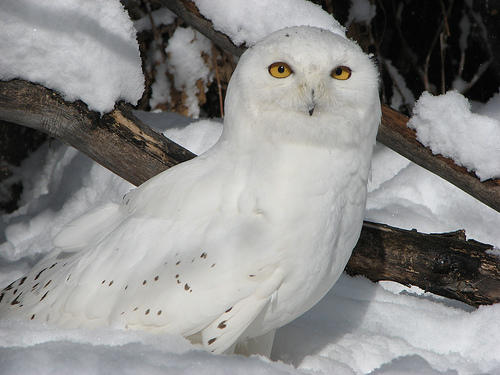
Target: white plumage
{"points": [[227, 247]]}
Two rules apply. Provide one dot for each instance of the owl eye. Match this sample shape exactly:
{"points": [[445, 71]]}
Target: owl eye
{"points": [[280, 70], [341, 72]]}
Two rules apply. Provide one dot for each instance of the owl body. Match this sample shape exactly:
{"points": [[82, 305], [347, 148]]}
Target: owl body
{"points": [[227, 247]]}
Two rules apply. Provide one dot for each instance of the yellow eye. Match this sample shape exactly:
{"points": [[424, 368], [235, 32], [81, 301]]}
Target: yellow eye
{"points": [[280, 70], [341, 72]]}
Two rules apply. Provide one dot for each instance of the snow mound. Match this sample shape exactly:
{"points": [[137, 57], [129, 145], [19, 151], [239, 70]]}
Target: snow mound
{"points": [[249, 21], [84, 49], [446, 124]]}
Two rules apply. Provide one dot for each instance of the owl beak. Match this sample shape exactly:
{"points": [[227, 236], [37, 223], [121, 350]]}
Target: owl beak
{"points": [[312, 105]]}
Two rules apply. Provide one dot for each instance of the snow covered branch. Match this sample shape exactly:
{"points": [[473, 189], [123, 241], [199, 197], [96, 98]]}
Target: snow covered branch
{"points": [[394, 134]]}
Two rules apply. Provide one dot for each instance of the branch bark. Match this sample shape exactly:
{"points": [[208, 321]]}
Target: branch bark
{"points": [[118, 140], [444, 264], [393, 131]]}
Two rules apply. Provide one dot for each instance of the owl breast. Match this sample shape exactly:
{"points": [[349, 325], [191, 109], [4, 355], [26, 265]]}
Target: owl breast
{"points": [[321, 204]]}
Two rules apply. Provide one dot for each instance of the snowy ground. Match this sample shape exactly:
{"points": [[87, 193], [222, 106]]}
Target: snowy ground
{"points": [[358, 328]]}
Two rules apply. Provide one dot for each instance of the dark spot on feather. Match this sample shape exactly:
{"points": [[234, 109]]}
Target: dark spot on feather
{"points": [[144, 282], [178, 281], [45, 295], [179, 262], [126, 286], [222, 324], [287, 35], [212, 265], [192, 260], [34, 286], [159, 312], [136, 308], [45, 286], [32, 317], [103, 281], [16, 301], [147, 312], [64, 265], [9, 287], [186, 287], [111, 283], [68, 277], [22, 281], [251, 275], [229, 309], [203, 256], [15, 291], [156, 278], [1, 296], [123, 312], [52, 266], [177, 276], [39, 273], [211, 341]]}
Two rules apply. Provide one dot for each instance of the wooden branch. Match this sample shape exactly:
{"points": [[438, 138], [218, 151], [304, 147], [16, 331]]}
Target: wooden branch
{"points": [[444, 264], [188, 11], [454, 268], [393, 131], [118, 140]]}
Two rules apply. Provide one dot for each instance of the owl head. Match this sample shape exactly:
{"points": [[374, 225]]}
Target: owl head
{"points": [[304, 84]]}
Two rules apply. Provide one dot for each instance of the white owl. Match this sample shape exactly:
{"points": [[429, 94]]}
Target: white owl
{"points": [[229, 246]]}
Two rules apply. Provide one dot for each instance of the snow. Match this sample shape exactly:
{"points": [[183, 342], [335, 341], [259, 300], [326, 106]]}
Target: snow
{"points": [[185, 52], [162, 16], [358, 328], [246, 22], [83, 49], [446, 124], [361, 11]]}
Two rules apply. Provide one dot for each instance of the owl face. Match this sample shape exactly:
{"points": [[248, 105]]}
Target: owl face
{"points": [[307, 82]]}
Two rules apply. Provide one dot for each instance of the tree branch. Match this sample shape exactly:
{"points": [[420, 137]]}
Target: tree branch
{"points": [[118, 140], [394, 134], [444, 264]]}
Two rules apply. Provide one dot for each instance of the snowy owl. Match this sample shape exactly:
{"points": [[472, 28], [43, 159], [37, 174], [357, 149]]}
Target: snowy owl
{"points": [[229, 246]]}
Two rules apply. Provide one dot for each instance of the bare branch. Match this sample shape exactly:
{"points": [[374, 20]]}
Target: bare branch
{"points": [[118, 140]]}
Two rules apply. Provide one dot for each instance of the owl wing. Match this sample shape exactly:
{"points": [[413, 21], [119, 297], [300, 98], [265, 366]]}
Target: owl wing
{"points": [[177, 256]]}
